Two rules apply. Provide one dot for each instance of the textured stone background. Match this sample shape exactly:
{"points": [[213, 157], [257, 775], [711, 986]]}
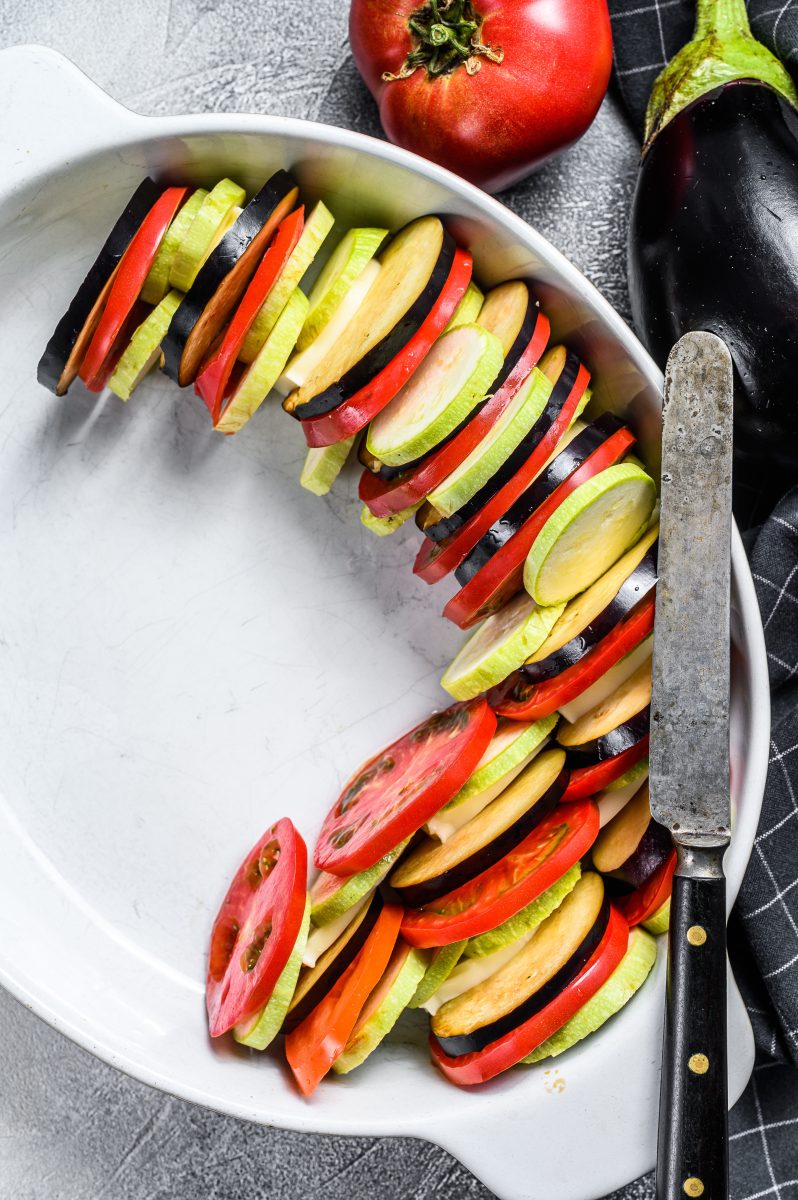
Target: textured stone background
{"points": [[71, 1128]]}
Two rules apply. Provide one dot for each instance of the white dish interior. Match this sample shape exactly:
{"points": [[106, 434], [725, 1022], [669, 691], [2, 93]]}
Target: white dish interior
{"points": [[192, 645]]}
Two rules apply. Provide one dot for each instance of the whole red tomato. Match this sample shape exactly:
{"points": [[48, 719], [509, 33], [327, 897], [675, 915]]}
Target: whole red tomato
{"points": [[488, 88]]}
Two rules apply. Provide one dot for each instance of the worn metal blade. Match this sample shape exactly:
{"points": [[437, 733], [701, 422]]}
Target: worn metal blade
{"points": [[689, 773]]}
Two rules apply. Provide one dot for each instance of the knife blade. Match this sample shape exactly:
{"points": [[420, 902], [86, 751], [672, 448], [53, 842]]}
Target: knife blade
{"points": [[689, 759]]}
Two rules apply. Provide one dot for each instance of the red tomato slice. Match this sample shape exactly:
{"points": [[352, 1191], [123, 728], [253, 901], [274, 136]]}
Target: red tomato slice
{"points": [[524, 701], [396, 791], [127, 284], [436, 559], [586, 781], [385, 497], [356, 412], [312, 1048], [256, 927], [481, 1065], [504, 889], [211, 383], [503, 575], [642, 904]]}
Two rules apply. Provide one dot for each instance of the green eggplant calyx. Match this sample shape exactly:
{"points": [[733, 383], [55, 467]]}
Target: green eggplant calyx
{"points": [[446, 34], [722, 50]]}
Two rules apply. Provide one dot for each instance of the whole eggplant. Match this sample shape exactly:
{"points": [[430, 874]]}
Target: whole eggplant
{"points": [[713, 241]]}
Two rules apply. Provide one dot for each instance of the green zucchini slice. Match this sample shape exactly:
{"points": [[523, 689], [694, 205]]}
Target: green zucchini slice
{"points": [[156, 285], [143, 351], [333, 895], [383, 526], [500, 645], [260, 377], [205, 230], [438, 397], [323, 465], [630, 975], [660, 922], [314, 231], [262, 1029], [345, 265], [384, 1006], [511, 748], [589, 532], [443, 962], [467, 310]]}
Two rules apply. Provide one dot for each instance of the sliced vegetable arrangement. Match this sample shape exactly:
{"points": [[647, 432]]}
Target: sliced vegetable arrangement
{"points": [[488, 865]]}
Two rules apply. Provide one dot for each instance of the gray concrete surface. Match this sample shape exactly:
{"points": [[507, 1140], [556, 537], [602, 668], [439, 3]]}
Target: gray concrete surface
{"points": [[72, 1128]]}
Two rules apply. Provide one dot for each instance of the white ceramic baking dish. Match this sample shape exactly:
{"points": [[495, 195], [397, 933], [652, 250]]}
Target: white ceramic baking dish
{"points": [[190, 645]]}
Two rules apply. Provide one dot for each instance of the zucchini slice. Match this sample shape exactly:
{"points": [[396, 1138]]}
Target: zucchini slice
{"points": [[262, 1029], [484, 461], [143, 351], [635, 774], [627, 978], [323, 465], [383, 526], [499, 646], [384, 1006], [631, 698], [467, 310], [660, 922], [414, 267], [618, 840], [609, 682], [525, 921], [223, 278], [314, 231], [333, 895], [450, 382], [59, 365], [343, 268], [561, 946], [321, 937], [590, 616], [441, 964], [512, 748], [258, 379], [199, 238], [433, 869], [589, 532], [315, 982], [302, 364], [156, 285]]}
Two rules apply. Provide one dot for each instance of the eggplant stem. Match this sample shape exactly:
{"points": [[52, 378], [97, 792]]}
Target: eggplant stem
{"points": [[446, 34], [722, 50]]}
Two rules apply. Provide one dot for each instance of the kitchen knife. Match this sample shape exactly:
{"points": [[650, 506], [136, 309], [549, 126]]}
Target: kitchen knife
{"points": [[689, 760]]}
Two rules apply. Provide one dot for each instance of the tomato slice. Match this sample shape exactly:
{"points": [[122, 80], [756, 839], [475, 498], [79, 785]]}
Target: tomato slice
{"points": [[586, 781], [385, 497], [436, 559], [127, 284], [399, 789], [256, 927], [524, 701], [211, 383], [356, 412], [502, 575], [481, 1065], [312, 1048], [520, 877], [639, 905]]}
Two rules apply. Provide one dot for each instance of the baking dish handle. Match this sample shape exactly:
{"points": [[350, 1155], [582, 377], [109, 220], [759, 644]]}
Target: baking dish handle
{"points": [[52, 113]]}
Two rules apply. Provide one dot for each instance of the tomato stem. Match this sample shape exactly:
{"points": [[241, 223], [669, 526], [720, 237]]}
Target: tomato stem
{"points": [[446, 34]]}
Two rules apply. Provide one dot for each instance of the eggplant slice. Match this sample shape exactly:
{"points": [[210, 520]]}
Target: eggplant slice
{"points": [[222, 280], [561, 947], [414, 268], [60, 363]]}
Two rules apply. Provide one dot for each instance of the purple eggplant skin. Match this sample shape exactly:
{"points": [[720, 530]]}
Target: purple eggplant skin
{"points": [[713, 245]]}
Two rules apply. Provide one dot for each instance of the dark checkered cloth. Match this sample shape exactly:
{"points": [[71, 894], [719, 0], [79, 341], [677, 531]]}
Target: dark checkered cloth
{"points": [[764, 929]]}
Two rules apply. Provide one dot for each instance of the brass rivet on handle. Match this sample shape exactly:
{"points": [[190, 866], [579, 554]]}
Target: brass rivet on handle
{"points": [[693, 1186], [696, 935], [698, 1064]]}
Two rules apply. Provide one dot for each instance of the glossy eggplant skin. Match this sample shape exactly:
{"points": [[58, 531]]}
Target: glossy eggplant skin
{"points": [[713, 245]]}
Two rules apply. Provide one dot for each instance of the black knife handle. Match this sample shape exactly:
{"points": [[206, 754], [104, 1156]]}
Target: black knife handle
{"points": [[693, 1151]]}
